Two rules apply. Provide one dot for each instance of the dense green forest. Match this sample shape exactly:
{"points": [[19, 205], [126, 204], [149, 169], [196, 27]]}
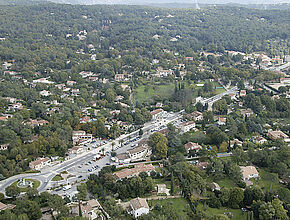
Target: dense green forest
{"points": [[36, 35]]}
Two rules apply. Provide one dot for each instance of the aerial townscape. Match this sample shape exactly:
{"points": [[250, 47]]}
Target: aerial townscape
{"points": [[151, 112]]}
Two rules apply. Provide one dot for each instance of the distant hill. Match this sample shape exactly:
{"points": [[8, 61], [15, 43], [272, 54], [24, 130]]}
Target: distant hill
{"points": [[22, 2], [173, 2]]}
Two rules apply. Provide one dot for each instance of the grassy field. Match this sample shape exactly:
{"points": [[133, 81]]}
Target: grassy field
{"points": [[162, 91], [36, 184], [180, 204], [267, 180], [146, 93], [237, 213], [220, 90], [226, 182]]}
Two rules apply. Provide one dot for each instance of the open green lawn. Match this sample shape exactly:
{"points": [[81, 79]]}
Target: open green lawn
{"points": [[57, 178], [36, 184], [226, 182], [180, 204], [267, 180], [162, 91], [237, 213], [220, 90]]}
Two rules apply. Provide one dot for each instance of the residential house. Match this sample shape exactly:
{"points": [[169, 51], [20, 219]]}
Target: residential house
{"points": [[125, 125], [161, 189], [122, 158], [78, 136], [189, 58], [85, 74], [60, 86], [124, 87], [163, 73], [71, 83], [243, 93], [192, 146], [36, 122], [196, 116], [235, 141], [115, 112], [157, 114], [222, 121], [258, 139], [247, 112], [138, 207], [45, 93], [14, 107], [119, 77], [285, 80], [85, 119], [155, 61], [3, 118], [6, 65], [187, 126], [39, 163], [75, 92], [215, 187], [4, 206], [140, 152], [202, 165], [249, 172], [42, 80], [159, 105], [91, 209], [75, 150], [119, 98], [278, 135], [4, 147], [138, 168]]}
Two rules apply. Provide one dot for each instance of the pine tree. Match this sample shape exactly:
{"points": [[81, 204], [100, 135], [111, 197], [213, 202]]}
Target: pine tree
{"points": [[172, 184], [80, 209]]}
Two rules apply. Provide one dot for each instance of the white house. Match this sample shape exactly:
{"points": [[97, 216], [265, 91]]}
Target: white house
{"points": [[157, 114], [139, 152], [187, 126], [249, 172], [78, 136], [138, 207], [40, 163], [75, 150], [196, 116], [123, 158], [258, 139], [45, 93], [42, 80], [274, 135], [222, 121], [4, 147], [192, 146], [236, 141]]}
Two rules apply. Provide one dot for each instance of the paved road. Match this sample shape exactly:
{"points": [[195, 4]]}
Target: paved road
{"points": [[279, 68], [215, 98], [72, 164]]}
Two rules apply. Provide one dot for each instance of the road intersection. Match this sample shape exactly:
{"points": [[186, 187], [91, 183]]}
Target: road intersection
{"points": [[72, 165]]}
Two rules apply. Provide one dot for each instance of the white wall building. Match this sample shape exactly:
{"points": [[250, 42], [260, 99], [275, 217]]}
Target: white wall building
{"points": [[138, 207]]}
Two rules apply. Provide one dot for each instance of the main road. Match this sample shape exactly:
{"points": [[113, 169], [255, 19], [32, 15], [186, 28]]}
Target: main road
{"points": [[46, 175], [215, 98]]}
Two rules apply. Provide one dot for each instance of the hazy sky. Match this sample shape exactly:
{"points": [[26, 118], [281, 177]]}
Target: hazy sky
{"points": [[172, 1]]}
